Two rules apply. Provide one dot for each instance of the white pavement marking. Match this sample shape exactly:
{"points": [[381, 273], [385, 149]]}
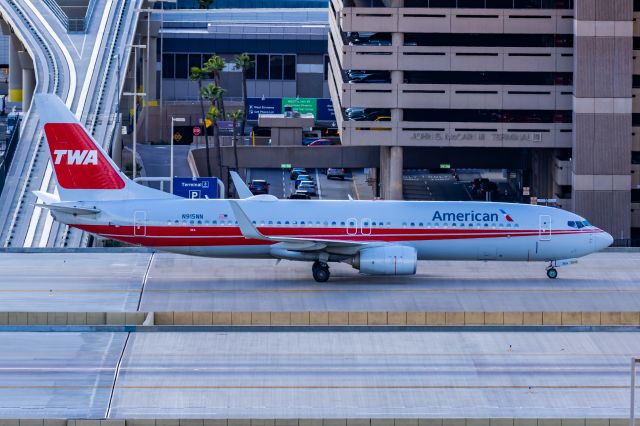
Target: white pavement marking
{"points": [[318, 185], [35, 218], [37, 212], [94, 56]]}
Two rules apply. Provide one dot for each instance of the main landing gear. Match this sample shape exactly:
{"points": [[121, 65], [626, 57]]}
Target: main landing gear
{"points": [[552, 272], [320, 272]]}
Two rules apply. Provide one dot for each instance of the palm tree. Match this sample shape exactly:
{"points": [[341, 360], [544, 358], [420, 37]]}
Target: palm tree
{"points": [[243, 63], [235, 116], [214, 66], [199, 75], [213, 93]]}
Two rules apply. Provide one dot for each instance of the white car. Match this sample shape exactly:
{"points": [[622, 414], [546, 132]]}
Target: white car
{"points": [[308, 186]]}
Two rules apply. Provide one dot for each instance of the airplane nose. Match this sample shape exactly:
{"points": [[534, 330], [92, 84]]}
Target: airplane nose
{"points": [[604, 239]]}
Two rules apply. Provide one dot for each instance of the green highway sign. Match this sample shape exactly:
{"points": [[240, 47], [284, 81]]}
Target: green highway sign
{"points": [[285, 166], [302, 105], [445, 166]]}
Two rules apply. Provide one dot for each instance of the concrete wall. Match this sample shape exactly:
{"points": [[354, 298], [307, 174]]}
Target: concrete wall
{"points": [[602, 114], [315, 318]]}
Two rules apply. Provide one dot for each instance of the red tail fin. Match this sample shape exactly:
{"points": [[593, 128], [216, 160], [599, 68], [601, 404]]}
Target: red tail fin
{"points": [[78, 162]]}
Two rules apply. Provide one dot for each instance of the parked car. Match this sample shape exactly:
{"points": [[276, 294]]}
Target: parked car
{"points": [[366, 114], [308, 186], [259, 186], [321, 142], [293, 174], [369, 76], [336, 174], [299, 195], [366, 38]]}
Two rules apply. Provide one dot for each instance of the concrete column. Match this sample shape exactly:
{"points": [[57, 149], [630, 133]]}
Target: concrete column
{"points": [[15, 70], [28, 87], [395, 173], [150, 77], [602, 107], [384, 172]]}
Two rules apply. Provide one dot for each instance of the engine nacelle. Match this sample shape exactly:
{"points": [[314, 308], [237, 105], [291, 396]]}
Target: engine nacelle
{"points": [[386, 260]]}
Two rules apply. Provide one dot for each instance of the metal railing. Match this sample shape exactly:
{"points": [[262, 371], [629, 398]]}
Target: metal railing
{"points": [[8, 156], [72, 25]]}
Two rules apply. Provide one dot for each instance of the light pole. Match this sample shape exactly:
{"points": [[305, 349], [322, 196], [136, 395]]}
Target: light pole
{"points": [[135, 94], [632, 413], [173, 120]]}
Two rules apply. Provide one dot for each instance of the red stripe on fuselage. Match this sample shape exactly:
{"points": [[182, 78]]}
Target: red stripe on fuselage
{"points": [[204, 236]]}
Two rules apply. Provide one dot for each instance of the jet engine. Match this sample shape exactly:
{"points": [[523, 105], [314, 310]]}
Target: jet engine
{"points": [[386, 260]]}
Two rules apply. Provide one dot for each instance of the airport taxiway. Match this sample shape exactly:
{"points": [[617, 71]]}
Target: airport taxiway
{"points": [[316, 375], [99, 281]]}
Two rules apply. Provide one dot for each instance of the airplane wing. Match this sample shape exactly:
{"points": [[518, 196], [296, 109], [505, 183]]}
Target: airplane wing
{"points": [[241, 187], [249, 230]]}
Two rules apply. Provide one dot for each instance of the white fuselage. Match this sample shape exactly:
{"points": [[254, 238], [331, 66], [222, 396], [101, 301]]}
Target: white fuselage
{"points": [[437, 230]]}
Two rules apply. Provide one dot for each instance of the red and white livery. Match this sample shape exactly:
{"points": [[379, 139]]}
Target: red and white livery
{"points": [[376, 237]]}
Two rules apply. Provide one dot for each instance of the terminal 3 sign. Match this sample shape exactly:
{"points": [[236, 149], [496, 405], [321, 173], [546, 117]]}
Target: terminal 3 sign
{"points": [[321, 108], [478, 136]]}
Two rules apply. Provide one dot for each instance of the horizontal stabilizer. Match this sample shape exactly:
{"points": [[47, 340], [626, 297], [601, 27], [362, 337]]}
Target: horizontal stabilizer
{"points": [[78, 211]]}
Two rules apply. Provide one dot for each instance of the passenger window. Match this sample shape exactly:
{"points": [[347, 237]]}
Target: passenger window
{"points": [[404, 224], [270, 222], [286, 222], [333, 224], [214, 222], [253, 221], [199, 222], [191, 222], [420, 224], [341, 223], [302, 222]]}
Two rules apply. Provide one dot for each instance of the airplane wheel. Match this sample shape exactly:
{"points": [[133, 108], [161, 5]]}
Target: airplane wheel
{"points": [[321, 273], [552, 273]]}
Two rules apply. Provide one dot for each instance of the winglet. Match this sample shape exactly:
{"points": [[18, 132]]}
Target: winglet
{"points": [[241, 187], [247, 228]]}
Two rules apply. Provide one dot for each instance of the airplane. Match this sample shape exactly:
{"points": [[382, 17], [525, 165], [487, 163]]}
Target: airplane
{"points": [[375, 237]]}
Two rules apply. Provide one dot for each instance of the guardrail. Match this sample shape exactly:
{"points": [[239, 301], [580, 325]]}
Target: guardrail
{"points": [[11, 149]]}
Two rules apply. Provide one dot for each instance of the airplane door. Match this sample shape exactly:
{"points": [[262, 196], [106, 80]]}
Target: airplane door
{"points": [[140, 224], [545, 228], [352, 226], [365, 227]]}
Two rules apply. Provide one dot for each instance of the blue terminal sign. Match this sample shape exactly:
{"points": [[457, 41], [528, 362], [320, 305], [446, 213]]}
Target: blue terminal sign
{"points": [[257, 106], [195, 187]]}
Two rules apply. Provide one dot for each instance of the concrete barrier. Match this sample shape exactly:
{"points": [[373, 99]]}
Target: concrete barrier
{"points": [[331, 318], [334, 318], [323, 422]]}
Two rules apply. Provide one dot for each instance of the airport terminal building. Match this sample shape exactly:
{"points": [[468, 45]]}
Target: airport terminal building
{"points": [[492, 83]]}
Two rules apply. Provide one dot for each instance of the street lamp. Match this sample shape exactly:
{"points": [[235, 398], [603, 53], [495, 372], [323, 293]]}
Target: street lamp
{"points": [[135, 94], [632, 414], [173, 120]]}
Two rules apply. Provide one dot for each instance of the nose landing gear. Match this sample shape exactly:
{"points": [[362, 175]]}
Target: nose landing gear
{"points": [[320, 272], [552, 272]]}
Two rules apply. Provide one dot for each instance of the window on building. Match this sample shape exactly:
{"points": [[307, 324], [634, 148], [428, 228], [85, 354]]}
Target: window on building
{"points": [[275, 67], [326, 67], [168, 65], [289, 67], [182, 66], [488, 40], [195, 60], [262, 67], [251, 72]]}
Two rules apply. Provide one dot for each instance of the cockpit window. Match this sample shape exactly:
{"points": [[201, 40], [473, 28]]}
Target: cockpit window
{"points": [[572, 224]]}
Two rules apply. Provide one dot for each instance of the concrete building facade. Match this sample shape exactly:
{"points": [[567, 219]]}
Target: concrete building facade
{"points": [[549, 79]]}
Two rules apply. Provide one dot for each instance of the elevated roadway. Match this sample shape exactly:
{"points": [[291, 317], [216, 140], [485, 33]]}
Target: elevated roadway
{"points": [[81, 69], [315, 375], [140, 281]]}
